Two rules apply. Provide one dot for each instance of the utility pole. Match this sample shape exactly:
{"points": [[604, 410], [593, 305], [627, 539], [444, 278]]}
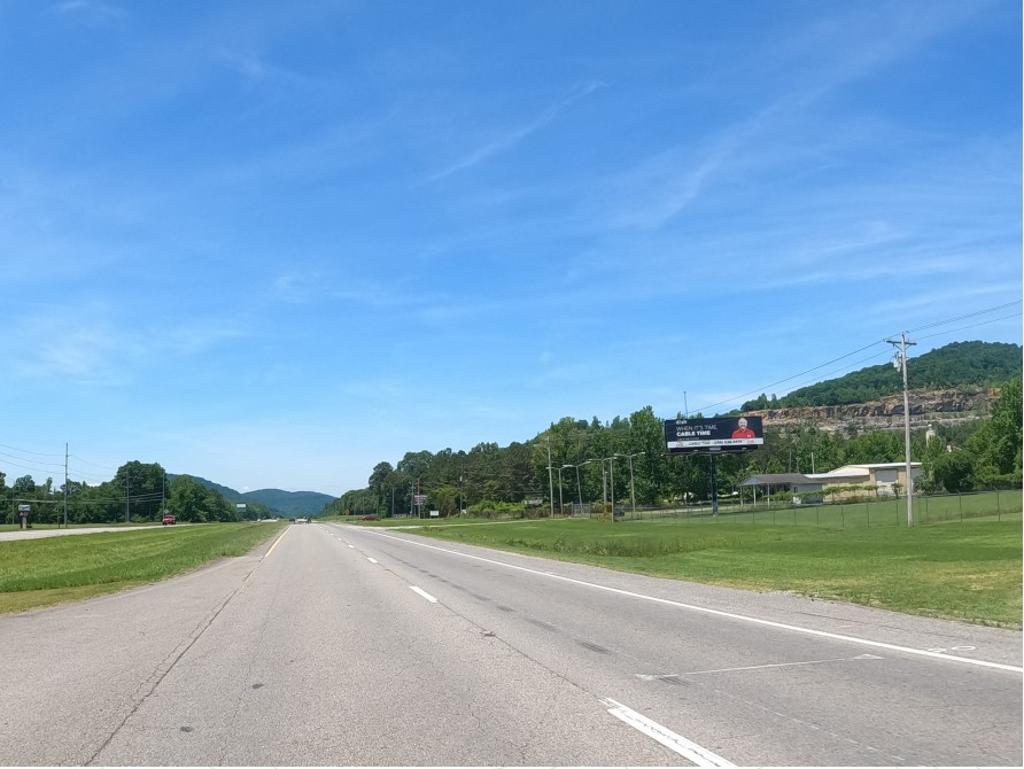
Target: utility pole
{"points": [[551, 483], [813, 471], [65, 484], [900, 362], [127, 497]]}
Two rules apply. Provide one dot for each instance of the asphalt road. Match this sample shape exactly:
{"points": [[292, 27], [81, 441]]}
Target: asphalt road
{"points": [[348, 646]]}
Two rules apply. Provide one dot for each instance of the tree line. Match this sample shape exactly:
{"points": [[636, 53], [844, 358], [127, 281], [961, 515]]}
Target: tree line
{"points": [[985, 453], [138, 491]]}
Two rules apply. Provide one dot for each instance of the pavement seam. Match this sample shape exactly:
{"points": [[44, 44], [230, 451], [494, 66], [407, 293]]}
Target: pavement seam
{"points": [[516, 650], [714, 612], [195, 636]]}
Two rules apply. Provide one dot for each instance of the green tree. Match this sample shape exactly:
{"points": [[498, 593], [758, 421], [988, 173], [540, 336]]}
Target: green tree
{"points": [[955, 471]]}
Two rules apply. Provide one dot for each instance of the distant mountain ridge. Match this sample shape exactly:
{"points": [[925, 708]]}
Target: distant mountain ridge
{"points": [[278, 500], [959, 364]]}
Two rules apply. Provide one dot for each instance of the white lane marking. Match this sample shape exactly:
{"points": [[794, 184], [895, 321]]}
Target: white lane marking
{"points": [[422, 592], [688, 749], [779, 665], [271, 550], [371, 560], [720, 613], [352, 546]]}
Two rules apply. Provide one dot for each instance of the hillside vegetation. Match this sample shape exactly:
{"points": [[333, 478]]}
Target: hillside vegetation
{"points": [[491, 479], [276, 500], [957, 364]]}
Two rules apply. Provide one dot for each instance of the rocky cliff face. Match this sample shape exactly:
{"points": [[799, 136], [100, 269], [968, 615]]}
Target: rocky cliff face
{"points": [[927, 407]]}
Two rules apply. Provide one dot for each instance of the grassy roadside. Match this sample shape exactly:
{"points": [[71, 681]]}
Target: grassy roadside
{"points": [[48, 526], [41, 572], [967, 572]]}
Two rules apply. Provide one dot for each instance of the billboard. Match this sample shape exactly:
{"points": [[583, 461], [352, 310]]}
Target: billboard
{"points": [[720, 434]]}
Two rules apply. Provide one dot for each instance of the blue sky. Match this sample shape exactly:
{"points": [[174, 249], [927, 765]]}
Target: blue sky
{"points": [[273, 244]]}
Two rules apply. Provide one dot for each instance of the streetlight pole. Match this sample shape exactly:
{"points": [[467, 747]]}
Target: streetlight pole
{"points": [[551, 482], [579, 493], [632, 487], [611, 482]]}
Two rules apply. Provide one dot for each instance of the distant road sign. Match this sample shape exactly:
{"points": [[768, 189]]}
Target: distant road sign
{"points": [[24, 508], [419, 499], [435, 513]]}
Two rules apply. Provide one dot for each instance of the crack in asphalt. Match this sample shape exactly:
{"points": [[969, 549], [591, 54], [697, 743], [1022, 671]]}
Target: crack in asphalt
{"points": [[163, 669]]}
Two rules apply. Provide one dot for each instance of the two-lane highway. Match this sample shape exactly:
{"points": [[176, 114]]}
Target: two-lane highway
{"points": [[342, 645]]}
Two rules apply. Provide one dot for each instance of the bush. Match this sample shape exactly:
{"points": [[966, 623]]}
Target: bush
{"points": [[489, 508]]}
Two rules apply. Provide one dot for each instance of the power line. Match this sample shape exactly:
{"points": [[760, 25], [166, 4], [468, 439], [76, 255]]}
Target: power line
{"points": [[967, 315], [31, 461], [787, 379], [26, 451], [973, 325], [93, 464], [35, 469]]}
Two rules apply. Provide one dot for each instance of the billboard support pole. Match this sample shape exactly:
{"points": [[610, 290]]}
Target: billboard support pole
{"points": [[714, 487]]}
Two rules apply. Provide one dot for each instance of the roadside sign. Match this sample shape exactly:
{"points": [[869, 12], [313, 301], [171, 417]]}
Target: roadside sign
{"points": [[419, 499], [435, 513], [719, 434], [24, 509]]}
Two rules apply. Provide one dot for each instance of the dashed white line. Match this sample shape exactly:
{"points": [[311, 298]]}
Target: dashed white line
{"points": [[420, 591], [371, 560], [352, 546], [688, 749], [719, 612]]}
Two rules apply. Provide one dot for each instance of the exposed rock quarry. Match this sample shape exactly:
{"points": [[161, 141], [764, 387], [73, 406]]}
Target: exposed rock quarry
{"points": [[927, 408]]}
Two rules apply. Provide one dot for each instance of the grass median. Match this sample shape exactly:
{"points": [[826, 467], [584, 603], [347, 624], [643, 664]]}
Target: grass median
{"points": [[41, 572], [969, 572]]}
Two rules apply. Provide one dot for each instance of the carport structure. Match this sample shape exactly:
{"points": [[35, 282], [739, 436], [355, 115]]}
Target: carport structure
{"points": [[795, 482]]}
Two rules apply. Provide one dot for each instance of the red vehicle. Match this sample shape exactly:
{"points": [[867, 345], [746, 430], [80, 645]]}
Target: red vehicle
{"points": [[168, 520]]}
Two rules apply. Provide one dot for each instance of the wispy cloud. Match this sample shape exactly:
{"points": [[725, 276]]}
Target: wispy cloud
{"points": [[511, 138], [90, 10], [660, 188]]}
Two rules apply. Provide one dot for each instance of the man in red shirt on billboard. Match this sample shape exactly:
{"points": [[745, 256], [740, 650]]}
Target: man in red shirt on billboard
{"points": [[742, 431]]}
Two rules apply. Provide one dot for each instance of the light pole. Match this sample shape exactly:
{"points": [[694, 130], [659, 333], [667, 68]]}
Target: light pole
{"points": [[579, 491], [561, 504], [632, 488]]}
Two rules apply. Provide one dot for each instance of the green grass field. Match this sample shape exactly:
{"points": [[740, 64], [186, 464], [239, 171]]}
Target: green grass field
{"points": [[16, 527], [969, 572], [41, 572]]}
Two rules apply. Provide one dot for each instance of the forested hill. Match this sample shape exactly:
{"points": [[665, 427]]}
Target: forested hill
{"points": [[278, 500], [290, 502], [954, 365]]}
